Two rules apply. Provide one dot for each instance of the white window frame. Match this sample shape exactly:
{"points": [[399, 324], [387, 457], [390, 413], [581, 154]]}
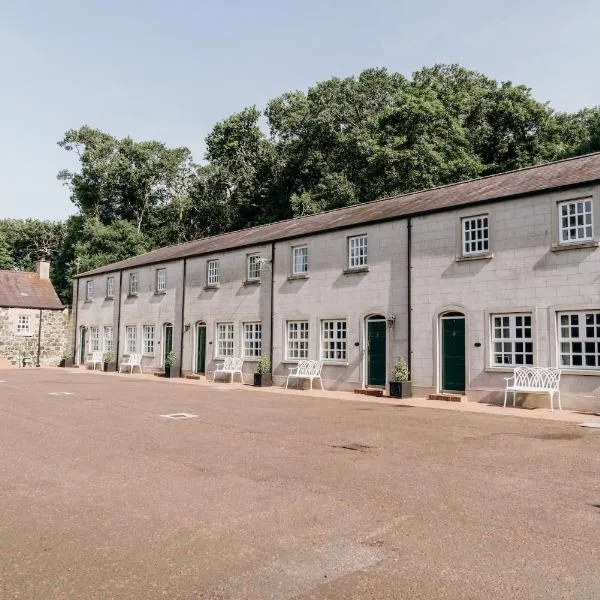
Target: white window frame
{"points": [[23, 325], [134, 284], [586, 342], [334, 340], [148, 339], [110, 287], [95, 339], [130, 339], [475, 235], [253, 267], [509, 340], [89, 290], [358, 257], [161, 281], [297, 338], [302, 253], [212, 272], [252, 339], [108, 338], [225, 340], [572, 221]]}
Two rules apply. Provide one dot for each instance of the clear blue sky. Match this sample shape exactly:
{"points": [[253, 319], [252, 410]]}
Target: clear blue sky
{"points": [[170, 69]]}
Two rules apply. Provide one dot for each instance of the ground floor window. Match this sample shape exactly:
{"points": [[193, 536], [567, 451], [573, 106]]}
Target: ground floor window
{"points": [[95, 338], [333, 340], [579, 339], [131, 339], [252, 340], [224, 339], [108, 339], [148, 338], [512, 343], [297, 339]]}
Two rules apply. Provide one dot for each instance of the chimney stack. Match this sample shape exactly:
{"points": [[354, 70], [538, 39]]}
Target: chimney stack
{"points": [[42, 268]]}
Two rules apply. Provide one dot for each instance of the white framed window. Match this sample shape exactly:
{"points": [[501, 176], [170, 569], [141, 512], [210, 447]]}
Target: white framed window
{"points": [[224, 339], [475, 235], [108, 339], [299, 260], [95, 339], [110, 287], [576, 222], [23, 325], [212, 272], [512, 341], [148, 339], [579, 339], [357, 251], [334, 340], [252, 340], [131, 339], [133, 284], [254, 261], [161, 281], [297, 339], [89, 291]]}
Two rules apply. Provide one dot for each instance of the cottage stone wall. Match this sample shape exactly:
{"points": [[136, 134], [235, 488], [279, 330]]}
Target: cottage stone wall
{"points": [[56, 335]]}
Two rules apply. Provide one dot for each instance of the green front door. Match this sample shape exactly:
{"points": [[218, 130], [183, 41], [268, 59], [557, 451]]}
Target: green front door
{"points": [[167, 341], [453, 353], [201, 349], [83, 345], [376, 350]]}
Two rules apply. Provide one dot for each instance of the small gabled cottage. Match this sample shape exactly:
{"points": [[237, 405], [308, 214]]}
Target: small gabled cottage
{"points": [[34, 324]]}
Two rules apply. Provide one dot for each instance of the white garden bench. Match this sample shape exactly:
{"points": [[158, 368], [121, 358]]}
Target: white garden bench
{"points": [[231, 365], [534, 380], [95, 359], [133, 360], [306, 369]]}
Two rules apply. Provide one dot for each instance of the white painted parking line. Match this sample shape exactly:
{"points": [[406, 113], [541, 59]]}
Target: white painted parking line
{"points": [[60, 393], [593, 425], [179, 416]]}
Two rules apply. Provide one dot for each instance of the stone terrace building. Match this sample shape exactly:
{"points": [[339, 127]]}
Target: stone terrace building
{"points": [[34, 325], [466, 281]]}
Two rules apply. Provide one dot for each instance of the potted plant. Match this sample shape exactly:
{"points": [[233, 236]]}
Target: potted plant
{"points": [[169, 362], [66, 360], [110, 366], [262, 375], [400, 386]]}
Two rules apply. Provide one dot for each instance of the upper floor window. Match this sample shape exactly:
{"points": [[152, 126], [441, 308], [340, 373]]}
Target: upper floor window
{"points": [[133, 284], [254, 267], [23, 325], [300, 260], [212, 272], [161, 281], [357, 251], [512, 343], [333, 340], [576, 222], [579, 339], [475, 235], [110, 287], [89, 290]]}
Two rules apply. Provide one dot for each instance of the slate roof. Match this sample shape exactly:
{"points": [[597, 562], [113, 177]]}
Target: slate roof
{"points": [[513, 184], [21, 289]]}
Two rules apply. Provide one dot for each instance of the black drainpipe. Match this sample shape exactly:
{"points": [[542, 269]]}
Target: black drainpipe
{"points": [[119, 318], [37, 364], [409, 291], [74, 304], [182, 319], [272, 297]]}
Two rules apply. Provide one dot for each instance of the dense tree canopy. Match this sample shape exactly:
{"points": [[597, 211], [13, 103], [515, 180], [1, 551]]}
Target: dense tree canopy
{"points": [[342, 142]]}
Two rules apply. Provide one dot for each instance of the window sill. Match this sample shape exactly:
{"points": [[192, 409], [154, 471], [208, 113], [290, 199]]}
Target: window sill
{"points": [[160, 293], [298, 276], [24, 334], [575, 245], [251, 282], [87, 301], [334, 363], [251, 358], [506, 369], [470, 257], [592, 372], [132, 295], [352, 271], [109, 298], [148, 355], [212, 286]]}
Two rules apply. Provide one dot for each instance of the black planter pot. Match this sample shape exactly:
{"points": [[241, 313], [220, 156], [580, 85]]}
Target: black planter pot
{"points": [[66, 362], [400, 389], [262, 379], [168, 372], [110, 367]]}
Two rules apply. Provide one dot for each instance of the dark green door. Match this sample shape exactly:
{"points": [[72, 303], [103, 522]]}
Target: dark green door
{"points": [[376, 350], [453, 354], [83, 345], [201, 349], [168, 341]]}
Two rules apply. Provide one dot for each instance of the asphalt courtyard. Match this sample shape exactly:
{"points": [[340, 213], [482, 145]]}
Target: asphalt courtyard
{"points": [[280, 496]]}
